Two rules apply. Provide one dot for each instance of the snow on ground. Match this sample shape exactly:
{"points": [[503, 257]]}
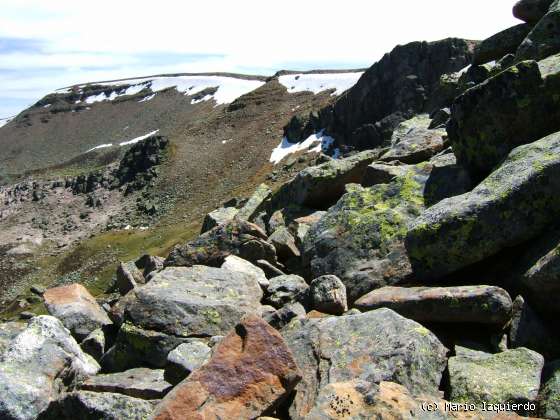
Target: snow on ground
{"points": [[316, 142], [101, 146], [319, 82], [125, 143], [228, 88]]}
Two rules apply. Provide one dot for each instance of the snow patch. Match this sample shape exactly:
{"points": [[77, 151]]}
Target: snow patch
{"points": [[148, 98], [137, 139], [316, 142], [101, 146], [319, 82]]}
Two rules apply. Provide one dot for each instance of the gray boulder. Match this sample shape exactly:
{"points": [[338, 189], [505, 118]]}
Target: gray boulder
{"points": [[544, 39], [283, 316], [9, 331], [186, 358], [194, 301], [128, 277], [218, 217], [327, 294], [512, 376], [94, 344], [144, 383], [503, 43], [284, 243], [36, 364], [375, 346], [234, 263], [549, 406], [476, 304], [531, 11], [509, 207], [256, 203], [287, 289]]}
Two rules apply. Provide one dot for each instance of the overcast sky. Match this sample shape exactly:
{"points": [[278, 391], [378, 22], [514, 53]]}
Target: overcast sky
{"points": [[46, 45]]}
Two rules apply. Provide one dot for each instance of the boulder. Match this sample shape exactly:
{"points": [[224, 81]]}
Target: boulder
{"points": [[383, 173], [287, 289], [128, 277], [512, 205], [76, 308], [512, 376], [236, 237], [9, 331], [256, 203], [300, 226], [503, 43], [183, 360], [284, 243], [36, 364], [148, 264], [549, 406], [515, 107], [529, 330], [327, 294], [321, 186], [234, 263], [94, 344], [251, 371], [375, 346], [412, 142], [194, 301], [544, 38], [269, 269], [473, 304], [531, 11], [144, 383], [88, 405], [283, 316], [218, 217]]}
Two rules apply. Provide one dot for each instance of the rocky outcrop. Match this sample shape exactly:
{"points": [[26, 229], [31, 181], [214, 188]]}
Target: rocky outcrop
{"points": [[76, 308], [509, 207], [250, 372], [35, 366], [475, 304], [376, 346]]}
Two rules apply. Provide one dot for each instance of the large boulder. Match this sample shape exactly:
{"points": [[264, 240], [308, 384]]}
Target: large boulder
{"points": [[549, 406], [512, 376], [194, 301], [375, 346], [287, 289], [531, 11], [183, 360], [255, 204], [515, 107], [144, 383], [503, 43], [412, 142], [218, 217], [251, 371], [76, 308], [476, 304], [35, 366], [234, 263], [321, 186], [236, 237], [544, 39], [512, 205], [327, 294]]}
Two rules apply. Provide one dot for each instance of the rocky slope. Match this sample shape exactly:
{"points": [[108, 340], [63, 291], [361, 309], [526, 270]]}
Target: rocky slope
{"points": [[409, 272]]}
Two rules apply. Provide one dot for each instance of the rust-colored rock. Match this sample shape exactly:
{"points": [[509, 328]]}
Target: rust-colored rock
{"points": [[250, 372]]}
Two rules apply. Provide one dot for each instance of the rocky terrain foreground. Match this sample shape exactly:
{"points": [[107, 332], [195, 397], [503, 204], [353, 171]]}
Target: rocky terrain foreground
{"points": [[407, 268]]}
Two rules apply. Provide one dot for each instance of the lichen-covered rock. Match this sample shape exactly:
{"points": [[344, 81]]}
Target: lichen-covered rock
{"points": [[531, 11], [511, 376], [375, 346], [144, 383], [327, 294], [236, 237], [412, 142], [509, 207], [476, 304], [284, 243], [544, 38], [183, 360], [283, 316], [500, 44], [320, 186], [549, 406], [194, 301], [76, 308], [250, 372], [9, 331], [234, 263], [529, 330], [256, 203], [35, 365], [94, 344], [88, 405], [515, 107], [218, 217], [287, 289]]}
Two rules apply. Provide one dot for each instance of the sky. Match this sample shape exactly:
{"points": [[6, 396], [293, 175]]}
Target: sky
{"points": [[45, 45]]}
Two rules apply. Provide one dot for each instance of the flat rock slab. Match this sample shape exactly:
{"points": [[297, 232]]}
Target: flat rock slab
{"points": [[76, 308], [250, 372], [511, 376], [374, 346], [476, 304], [201, 301], [144, 383]]}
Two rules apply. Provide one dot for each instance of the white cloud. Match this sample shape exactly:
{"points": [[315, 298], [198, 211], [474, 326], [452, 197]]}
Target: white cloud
{"points": [[108, 39]]}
